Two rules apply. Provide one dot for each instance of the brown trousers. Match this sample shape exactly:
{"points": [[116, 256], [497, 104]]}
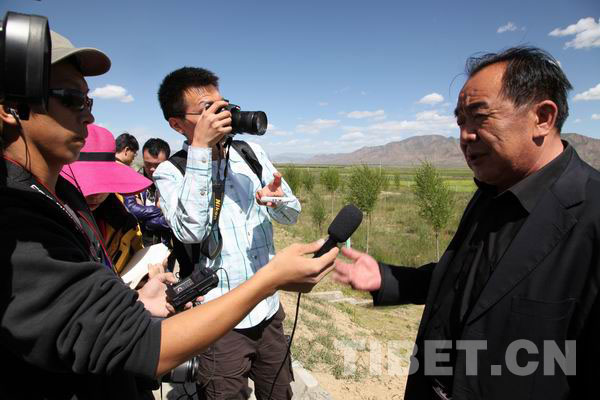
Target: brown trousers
{"points": [[255, 353]]}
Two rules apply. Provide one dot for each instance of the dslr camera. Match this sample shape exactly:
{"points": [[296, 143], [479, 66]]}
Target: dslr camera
{"points": [[24, 63], [249, 122]]}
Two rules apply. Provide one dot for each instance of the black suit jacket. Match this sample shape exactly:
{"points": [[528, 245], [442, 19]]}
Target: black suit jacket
{"points": [[545, 288]]}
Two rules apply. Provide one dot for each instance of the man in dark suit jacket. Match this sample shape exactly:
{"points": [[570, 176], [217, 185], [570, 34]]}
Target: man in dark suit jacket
{"points": [[511, 308]]}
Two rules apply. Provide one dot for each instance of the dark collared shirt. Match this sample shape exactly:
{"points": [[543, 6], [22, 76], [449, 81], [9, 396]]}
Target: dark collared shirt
{"points": [[493, 223]]}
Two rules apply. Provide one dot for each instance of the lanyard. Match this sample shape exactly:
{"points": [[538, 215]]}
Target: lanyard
{"points": [[213, 244], [38, 186]]}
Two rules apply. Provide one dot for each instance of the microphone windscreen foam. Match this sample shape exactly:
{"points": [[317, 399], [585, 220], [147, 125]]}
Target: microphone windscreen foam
{"points": [[345, 223]]}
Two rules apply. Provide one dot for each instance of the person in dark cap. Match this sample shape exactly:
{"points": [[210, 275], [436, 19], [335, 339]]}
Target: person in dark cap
{"points": [[69, 327]]}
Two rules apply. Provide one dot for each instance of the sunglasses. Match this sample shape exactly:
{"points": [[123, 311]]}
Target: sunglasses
{"points": [[72, 98]]}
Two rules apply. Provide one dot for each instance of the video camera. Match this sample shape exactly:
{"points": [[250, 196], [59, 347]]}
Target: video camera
{"points": [[200, 282], [24, 63]]}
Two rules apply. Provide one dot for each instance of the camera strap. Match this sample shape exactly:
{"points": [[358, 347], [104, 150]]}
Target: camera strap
{"points": [[212, 245], [86, 228]]}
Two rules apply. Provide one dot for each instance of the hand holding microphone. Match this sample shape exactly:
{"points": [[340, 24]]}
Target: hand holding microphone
{"points": [[363, 273], [341, 228]]}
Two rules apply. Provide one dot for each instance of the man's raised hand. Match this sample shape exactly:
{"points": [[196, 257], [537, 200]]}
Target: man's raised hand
{"points": [[361, 274], [273, 189]]}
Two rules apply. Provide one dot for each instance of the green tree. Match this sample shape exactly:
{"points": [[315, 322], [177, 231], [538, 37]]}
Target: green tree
{"points": [[330, 179], [385, 184], [434, 199], [363, 189], [293, 178], [385, 181], [308, 180], [317, 211], [397, 180]]}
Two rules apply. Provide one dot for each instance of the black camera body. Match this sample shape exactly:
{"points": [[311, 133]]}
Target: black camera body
{"points": [[25, 46], [249, 122], [200, 282]]}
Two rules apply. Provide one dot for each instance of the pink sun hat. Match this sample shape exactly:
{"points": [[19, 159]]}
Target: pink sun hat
{"points": [[96, 170]]}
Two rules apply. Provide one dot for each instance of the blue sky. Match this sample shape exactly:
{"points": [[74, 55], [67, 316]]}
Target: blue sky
{"points": [[332, 76]]}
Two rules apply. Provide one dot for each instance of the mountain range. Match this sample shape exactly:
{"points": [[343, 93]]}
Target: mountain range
{"points": [[439, 150]]}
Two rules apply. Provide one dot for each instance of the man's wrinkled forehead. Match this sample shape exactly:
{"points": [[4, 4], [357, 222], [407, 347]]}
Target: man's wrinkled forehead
{"points": [[480, 89], [469, 99]]}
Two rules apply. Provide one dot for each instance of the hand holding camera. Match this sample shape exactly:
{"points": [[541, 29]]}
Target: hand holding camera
{"points": [[212, 125]]}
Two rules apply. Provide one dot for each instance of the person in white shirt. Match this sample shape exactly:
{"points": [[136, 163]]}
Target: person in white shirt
{"points": [[256, 348]]}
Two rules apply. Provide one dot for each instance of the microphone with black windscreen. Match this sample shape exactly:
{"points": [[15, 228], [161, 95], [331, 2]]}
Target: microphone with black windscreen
{"points": [[341, 228]]}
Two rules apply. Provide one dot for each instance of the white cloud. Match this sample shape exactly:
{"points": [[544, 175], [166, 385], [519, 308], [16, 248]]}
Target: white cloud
{"points": [[509, 27], [272, 130], [323, 103], [432, 116], [317, 125], [424, 123], [590, 94], [596, 116], [586, 31], [112, 92], [352, 136], [578, 120], [432, 98], [365, 114], [361, 133]]}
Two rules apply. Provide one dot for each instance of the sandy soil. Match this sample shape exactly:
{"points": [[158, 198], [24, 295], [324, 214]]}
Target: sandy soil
{"points": [[368, 385]]}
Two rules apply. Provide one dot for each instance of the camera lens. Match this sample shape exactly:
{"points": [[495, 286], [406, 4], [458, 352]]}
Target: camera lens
{"points": [[186, 372], [250, 122]]}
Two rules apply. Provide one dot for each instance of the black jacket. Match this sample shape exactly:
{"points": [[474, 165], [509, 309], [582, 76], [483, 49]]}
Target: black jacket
{"points": [[545, 288], [69, 327]]}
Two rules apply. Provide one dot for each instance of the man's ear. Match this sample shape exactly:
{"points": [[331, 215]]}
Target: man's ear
{"points": [[7, 117], [175, 123], [545, 118]]}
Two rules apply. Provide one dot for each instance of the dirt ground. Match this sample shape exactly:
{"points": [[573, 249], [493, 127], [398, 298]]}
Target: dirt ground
{"points": [[375, 377]]}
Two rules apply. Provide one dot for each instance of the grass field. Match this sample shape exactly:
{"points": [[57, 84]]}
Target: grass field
{"points": [[398, 234]]}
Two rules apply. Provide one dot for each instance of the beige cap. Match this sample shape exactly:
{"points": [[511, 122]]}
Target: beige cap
{"points": [[91, 61]]}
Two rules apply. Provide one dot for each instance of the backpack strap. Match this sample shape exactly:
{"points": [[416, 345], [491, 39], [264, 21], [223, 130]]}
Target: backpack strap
{"points": [[179, 160], [185, 253], [248, 155]]}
